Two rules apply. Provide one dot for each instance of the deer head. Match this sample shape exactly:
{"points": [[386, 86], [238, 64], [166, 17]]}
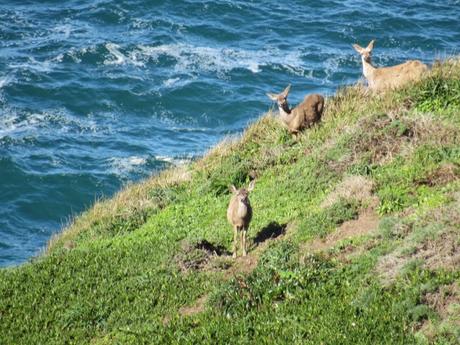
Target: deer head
{"points": [[281, 98], [365, 52], [242, 194]]}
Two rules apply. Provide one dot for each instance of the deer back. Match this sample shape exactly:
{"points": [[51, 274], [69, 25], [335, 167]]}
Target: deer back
{"points": [[396, 76], [308, 112]]}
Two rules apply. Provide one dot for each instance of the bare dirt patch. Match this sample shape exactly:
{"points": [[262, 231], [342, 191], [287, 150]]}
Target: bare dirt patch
{"points": [[242, 265], [196, 308], [197, 255], [367, 222]]}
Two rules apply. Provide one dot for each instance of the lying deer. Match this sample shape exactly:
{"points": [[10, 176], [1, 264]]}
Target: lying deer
{"points": [[384, 78], [239, 215], [303, 115]]}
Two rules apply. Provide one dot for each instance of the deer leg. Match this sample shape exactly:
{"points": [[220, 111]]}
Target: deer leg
{"points": [[235, 240], [243, 236]]}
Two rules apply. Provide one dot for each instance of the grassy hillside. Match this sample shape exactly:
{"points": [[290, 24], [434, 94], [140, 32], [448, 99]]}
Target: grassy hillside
{"points": [[355, 239]]}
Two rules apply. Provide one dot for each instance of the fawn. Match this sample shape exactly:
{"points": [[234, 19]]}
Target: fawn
{"points": [[303, 115], [384, 78], [239, 215]]}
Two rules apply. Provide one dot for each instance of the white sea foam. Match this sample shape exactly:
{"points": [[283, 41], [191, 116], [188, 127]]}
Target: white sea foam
{"points": [[77, 53], [172, 160], [123, 166], [190, 129], [35, 65], [16, 124], [170, 82], [190, 58], [6, 80], [63, 30], [118, 58]]}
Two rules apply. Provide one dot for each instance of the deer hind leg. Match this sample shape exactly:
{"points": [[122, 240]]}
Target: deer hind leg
{"points": [[243, 241], [235, 241]]}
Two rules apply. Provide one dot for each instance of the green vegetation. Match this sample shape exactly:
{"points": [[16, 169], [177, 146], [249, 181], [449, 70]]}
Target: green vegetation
{"points": [[152, 264]]}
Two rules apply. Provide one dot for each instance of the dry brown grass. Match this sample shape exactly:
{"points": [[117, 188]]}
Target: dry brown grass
{"points": [[445, 174], [348, 100], [353, 188], [390, 266], [440, 253], [382, 137], [435, 247], [443, 300], [427, 128]]}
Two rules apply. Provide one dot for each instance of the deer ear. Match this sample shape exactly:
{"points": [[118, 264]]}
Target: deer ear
{"points": [[370, 46], [251, 185], [272, 96], [358, 48], [286, 90], [233, 189]]}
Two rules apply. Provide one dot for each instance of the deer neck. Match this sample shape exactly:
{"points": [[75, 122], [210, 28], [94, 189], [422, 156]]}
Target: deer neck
{"points": [[286, 113], [368, 69]]}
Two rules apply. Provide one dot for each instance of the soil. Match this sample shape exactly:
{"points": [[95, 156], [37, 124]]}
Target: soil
{"points": [[367, 222]]}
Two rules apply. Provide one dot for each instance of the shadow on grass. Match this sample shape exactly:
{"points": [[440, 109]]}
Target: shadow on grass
{"points": [[212, 248], [272, 230]]}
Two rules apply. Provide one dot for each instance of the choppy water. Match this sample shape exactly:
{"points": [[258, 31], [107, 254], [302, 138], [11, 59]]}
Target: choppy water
{"points": [[94, 93]]}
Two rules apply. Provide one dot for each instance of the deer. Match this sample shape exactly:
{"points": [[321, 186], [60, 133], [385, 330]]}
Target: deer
{"points": [[391, 77], [239, 215], [304, 115]]}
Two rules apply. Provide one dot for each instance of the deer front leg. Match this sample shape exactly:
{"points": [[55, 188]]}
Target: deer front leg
{"points": [[243, 240], [235, 240]]}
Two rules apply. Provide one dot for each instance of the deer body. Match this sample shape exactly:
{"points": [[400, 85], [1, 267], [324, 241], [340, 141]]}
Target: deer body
{"points": [[239, 215], [303, 115], [392, 77]]}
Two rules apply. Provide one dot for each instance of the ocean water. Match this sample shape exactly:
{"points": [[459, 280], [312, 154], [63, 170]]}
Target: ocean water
{"points": [[96, 93]]}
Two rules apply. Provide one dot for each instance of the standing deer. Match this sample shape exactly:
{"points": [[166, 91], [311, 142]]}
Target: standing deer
{"points": [[303, 115], [392, 77], [239, 215]]}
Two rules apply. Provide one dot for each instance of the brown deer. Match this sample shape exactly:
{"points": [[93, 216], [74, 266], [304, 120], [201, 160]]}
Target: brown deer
{"points": [[392, 77], [239, 215], [303, 115]]}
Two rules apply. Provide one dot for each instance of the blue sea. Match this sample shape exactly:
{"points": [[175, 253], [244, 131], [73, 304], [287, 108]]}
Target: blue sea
{"points": [[98, 93]]}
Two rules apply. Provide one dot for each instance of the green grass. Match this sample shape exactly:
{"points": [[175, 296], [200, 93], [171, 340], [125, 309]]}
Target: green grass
{"points": [[123, 272]]}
